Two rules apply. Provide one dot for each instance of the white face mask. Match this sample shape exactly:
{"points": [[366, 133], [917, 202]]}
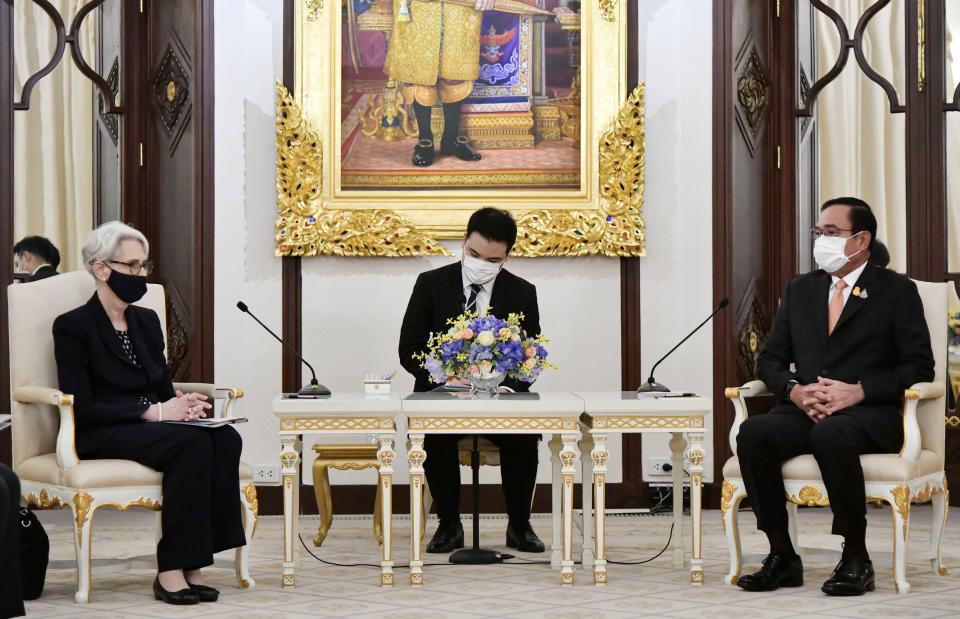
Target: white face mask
{"points": [[829, 252], [479, 271]]}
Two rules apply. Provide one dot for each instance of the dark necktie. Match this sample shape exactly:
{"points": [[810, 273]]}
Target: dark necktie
{"points": [[471, 305]]}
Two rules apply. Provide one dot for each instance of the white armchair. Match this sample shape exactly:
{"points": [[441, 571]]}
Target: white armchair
{"points": [[44, 455], [915, 475]]}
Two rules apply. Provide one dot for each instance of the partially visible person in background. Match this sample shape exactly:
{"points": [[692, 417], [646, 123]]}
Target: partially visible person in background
{"points": [[37, 256], [11, 586]]}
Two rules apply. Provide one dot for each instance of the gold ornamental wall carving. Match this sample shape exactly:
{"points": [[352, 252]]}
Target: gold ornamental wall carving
{"points": [[342, 193]]}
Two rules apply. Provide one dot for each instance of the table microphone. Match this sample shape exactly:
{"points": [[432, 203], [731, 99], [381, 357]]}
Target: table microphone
{"points": [[314, 388], [653, 386]]}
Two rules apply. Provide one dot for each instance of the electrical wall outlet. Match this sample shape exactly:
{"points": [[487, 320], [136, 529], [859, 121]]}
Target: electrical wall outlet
{"points": [[659, 466], [266, 474]]}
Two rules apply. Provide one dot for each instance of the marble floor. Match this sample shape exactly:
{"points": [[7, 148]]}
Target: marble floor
{"points": [[517, 589]]}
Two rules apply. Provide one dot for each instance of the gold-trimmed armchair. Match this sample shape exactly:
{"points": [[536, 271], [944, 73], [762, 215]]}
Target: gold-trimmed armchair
{"points": [[915, 475], [44, 455]]}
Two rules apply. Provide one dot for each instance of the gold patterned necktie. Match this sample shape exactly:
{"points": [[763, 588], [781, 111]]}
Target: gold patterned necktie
{"points": [[836, 306]]}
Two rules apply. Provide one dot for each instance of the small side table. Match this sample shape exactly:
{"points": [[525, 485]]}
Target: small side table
{"points": [[342, 458]]}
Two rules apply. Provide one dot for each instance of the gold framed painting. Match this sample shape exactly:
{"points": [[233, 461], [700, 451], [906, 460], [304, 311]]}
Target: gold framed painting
{"points": [[535, 89]]}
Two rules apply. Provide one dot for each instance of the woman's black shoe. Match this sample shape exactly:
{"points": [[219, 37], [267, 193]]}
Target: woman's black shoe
{"points": [[181, 597], [205, 593]]}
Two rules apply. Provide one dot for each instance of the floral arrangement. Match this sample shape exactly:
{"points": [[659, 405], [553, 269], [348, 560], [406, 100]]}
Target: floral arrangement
{"points": [[953, 328], [481, 346]]}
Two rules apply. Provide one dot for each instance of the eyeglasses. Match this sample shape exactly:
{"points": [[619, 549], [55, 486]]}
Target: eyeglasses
{"points": [[134, 266], [816, 233]]}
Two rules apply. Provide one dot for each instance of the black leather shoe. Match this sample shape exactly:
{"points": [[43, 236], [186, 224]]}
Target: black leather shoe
{"points": [[205, 593], [460, 149], [522, 537], [449, 537], [181, 597], [778, 570], [423, 153], [852, 576]]}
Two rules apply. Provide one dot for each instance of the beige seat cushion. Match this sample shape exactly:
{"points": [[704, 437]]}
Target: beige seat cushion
{"points": [[876, 467], [97, 473]]}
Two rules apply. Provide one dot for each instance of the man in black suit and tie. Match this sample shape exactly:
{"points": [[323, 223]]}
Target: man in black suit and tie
{"points": [[857, 337], [37, 256], [476, 282]]}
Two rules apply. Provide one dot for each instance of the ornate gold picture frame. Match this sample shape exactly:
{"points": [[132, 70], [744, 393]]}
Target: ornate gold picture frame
{"points": [[327, 208]]}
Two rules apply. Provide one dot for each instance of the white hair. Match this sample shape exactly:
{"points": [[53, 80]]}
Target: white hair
{"points": [[103, 241]]}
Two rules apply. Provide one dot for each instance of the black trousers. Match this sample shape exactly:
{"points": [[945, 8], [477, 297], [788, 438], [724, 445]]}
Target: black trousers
{"points": [[202, 514], [518, 472], [766, 441], [11, 585]]}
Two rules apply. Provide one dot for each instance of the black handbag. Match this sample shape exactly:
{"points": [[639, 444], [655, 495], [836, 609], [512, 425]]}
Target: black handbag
{"points": [[34, 554]]}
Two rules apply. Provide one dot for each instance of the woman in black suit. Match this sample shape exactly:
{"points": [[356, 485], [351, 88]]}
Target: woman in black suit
{"points": [[110, 356]]}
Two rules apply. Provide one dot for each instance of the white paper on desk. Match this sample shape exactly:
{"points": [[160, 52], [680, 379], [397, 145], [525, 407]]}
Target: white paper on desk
{"points": [[208, 423], [656, 395]]}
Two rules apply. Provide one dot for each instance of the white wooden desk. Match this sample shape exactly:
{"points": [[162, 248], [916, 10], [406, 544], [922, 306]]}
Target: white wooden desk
{"points": [[341, 413], [512, 413], [615, 412]]}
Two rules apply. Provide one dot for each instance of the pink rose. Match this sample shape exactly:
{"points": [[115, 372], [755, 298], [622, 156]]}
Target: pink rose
{"points": [[473, 369], [466, 334], [530, 352]]}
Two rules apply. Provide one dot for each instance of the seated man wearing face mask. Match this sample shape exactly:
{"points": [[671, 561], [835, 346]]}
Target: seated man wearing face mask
{"points": [[475, 283], [856, 337]]}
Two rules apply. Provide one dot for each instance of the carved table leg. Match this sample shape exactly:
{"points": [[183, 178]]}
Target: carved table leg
{"points": [[568, 459], [696, 455], [290, 473], [599, 455], [556, 488], [321, 489], [385, 455], [587, 555], [416, 456], [677, 444]]}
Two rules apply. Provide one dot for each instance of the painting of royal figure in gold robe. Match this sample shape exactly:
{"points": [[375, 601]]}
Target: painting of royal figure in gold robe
{"points": [[471, 90]]}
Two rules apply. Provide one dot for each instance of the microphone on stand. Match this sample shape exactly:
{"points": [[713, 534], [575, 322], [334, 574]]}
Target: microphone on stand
{"points": [[314, 389], [653, 386]]}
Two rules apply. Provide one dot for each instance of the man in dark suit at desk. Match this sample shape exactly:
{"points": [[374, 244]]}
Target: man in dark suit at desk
{"points": [[857, 337], [476, 282], [37, 256]]}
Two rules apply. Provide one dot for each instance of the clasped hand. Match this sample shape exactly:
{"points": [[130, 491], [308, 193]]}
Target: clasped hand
{"points": [[181, 407], [821, 399]]}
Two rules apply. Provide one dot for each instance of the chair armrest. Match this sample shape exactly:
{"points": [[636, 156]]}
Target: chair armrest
{"points": [[912, 441], [66, 445], [232, 393], [738, 395]]}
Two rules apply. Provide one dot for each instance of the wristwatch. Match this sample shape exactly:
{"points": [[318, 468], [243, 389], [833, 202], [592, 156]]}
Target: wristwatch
{"points": [[787, 388]]}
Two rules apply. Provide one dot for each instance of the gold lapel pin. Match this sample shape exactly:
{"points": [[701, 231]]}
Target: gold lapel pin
{"points": [[856, 291]]}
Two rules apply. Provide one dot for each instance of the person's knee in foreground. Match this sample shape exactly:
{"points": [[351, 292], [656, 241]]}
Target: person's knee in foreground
{"points": [[846, 342]]}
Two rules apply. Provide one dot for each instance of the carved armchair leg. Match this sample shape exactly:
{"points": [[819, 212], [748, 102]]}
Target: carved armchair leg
{"points": [[248, 498], [321, 489], [937, 524], [83, 509], [732, 492], [900, 504]]}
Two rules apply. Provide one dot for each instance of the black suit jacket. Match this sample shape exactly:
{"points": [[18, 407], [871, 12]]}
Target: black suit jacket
{"points": [[438, 295], [881, 341], [105, 384], [43, 273]]}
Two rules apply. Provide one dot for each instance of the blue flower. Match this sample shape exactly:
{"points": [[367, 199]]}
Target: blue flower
{"points": [[436, 370]]}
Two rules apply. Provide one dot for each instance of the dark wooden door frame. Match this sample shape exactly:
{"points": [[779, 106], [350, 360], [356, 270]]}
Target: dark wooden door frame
{"points": [[632, 492]]}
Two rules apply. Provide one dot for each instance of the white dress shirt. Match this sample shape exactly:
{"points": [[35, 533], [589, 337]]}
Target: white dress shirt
{"points": [[851, 279], [483, 297]]}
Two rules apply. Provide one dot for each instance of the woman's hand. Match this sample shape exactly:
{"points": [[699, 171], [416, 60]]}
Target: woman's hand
{"points": [[186, 407]]}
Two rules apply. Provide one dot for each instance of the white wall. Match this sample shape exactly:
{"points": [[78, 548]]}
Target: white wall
{"points": [[352, 308], [676, 53]]}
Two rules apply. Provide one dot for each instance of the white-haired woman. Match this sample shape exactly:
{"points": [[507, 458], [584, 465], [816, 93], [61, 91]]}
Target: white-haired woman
{"points": [[110, 356]]}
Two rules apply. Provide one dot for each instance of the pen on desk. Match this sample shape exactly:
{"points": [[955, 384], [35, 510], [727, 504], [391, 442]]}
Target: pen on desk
{"points": [[390, 375]]}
